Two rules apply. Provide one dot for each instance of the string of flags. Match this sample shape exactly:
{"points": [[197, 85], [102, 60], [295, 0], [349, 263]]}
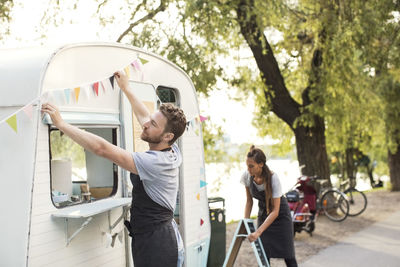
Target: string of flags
{"points": [[191, 123], [70, 95]]}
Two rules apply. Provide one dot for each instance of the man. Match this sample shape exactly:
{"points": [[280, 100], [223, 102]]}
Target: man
{"points": [[154, 174]]}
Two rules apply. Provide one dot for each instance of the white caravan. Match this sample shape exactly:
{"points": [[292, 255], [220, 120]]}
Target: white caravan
{"points": [[61, 205]]}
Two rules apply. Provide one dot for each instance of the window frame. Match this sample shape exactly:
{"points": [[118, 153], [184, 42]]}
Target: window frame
{"points": [[115, 130]]}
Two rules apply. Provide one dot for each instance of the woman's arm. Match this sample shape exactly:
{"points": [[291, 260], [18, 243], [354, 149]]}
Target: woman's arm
{"points": [[268, 221], [249, 203]]}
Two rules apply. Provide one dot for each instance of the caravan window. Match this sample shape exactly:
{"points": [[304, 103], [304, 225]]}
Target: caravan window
{"points": [[77, 175], [168, 95]]}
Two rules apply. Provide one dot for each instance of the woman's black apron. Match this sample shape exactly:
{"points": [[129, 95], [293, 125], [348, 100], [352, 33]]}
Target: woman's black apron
{"points": [[278, 238], [153, 236]]}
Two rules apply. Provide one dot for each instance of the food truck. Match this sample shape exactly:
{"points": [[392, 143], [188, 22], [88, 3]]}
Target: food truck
{"points": [[62, 205]]}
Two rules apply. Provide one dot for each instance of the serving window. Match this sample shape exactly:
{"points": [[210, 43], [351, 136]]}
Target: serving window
{"points": [[77, 175]]}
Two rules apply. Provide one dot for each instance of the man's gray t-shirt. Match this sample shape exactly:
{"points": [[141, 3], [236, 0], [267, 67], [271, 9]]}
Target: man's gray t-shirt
{"points": [[159, 172]]}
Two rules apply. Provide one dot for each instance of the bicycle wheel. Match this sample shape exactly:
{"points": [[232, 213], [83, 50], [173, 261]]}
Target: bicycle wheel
{"points": [[335, 205], [357, 201]]}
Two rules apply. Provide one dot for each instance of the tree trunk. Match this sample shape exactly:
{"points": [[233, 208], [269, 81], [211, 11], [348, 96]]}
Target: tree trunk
{"points": [[310, 141], [351, 167], [311, 150], [394, 169]]}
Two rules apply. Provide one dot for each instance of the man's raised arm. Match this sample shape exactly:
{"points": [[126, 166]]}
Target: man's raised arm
{"points": [[140, 110]]}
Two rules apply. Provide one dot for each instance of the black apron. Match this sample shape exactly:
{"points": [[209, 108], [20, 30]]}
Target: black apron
{"points": [[153, 236], [277, 239]]}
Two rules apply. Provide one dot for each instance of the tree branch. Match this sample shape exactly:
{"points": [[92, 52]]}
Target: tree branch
{"points": [[163, 5], [283, 105]]}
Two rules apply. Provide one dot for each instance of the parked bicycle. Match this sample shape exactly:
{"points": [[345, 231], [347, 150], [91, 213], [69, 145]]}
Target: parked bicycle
{"points": [[311, 196], [357, 199]]}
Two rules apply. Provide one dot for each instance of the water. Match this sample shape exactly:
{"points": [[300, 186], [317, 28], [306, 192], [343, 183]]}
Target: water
{"points": [[224, 181]]}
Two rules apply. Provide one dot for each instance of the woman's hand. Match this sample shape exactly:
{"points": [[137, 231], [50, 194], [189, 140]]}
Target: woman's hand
{"points": [[253, 236], [54, 114]]}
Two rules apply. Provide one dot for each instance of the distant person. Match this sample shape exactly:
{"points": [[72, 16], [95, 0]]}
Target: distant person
{"points": [[275, 226], [156, 241]]}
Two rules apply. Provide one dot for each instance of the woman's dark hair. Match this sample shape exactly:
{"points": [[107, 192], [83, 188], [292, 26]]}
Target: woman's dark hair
{"points": [[258, 156]]}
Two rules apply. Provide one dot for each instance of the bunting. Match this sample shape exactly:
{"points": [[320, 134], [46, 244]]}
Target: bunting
{"points": [[12, 121], [68, 95], [77, 91], [202, 183]]}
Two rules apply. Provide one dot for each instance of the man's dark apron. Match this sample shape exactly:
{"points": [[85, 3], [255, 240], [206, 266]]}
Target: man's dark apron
{"points": [[153, 236], [278, 238]]}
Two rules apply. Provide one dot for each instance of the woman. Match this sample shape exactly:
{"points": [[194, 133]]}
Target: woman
{"points": [[275, 225]]}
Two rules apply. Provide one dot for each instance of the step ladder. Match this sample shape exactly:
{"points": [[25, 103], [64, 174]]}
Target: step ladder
{"points": [[245, 227]]}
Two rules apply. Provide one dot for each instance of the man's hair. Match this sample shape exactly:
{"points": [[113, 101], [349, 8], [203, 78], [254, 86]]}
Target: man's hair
{"points": [[176, 120]]}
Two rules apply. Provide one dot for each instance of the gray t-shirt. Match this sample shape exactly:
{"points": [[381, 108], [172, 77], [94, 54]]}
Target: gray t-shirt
{"points": [[275, 183], [159, 172]]}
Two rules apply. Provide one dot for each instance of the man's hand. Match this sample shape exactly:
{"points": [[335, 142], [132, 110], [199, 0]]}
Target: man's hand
{"points": [[122, 80], [54, 113]]}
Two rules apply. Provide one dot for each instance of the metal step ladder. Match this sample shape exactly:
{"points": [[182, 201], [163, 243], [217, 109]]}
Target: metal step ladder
{"points": [[245, 227]]}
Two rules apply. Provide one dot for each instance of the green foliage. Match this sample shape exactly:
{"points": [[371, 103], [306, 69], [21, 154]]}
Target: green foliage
{"points": [[213, 141], [5, 10], [64, 147]]}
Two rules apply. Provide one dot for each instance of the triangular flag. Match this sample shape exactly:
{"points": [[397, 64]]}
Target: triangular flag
{"points": [[28, 110], [67, 93], [112, 82], [202, 183], [128, 73], [201, 222], [12, 121], [198, 196], [144, 61], [102, 85], [96, 88], [203, 118], [87, 89], [136, 65], [77, 91]]}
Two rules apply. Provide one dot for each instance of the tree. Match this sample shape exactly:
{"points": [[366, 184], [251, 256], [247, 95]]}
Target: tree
{"points": [[5, 9], [381, 52]]}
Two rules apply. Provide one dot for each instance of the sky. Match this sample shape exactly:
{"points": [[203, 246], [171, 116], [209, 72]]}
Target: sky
{"points": [[79, 27]]}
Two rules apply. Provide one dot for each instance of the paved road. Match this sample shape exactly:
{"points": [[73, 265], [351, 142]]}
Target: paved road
{"points": [[377, 245]]}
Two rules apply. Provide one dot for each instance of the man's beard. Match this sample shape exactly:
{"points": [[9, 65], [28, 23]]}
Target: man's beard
{"points": [[151, 140]]}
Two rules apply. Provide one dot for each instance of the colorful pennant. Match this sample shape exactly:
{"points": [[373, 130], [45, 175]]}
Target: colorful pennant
{"points": [[77, 91], [67, 93], [201, 222], [112, 81], [202, 183], [203, 118], [12, 121], [28, 110], [143, 61], [96, 88], [198, 196]]}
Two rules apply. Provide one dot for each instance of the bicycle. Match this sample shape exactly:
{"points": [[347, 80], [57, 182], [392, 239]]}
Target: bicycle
{"points": [[357, 199], [320, 198]]}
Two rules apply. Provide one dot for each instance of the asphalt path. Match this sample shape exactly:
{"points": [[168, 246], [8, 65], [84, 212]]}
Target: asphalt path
{"points": [[376, 245]]}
